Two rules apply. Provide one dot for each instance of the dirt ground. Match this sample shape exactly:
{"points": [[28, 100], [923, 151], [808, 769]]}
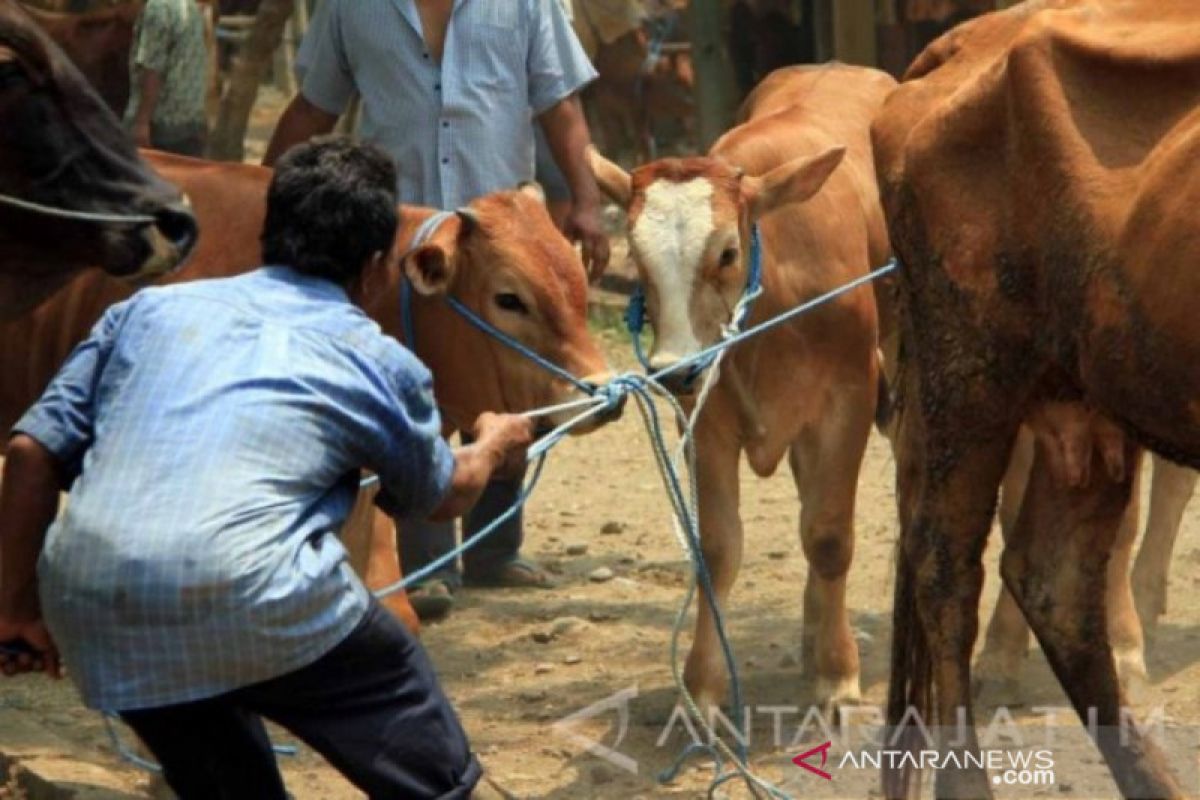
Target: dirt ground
{"points": [[516, 663]]}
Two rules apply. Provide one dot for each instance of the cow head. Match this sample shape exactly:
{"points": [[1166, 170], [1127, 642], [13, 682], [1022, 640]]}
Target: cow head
{"points": [[689, 234], [61, 147], [503, 258]]}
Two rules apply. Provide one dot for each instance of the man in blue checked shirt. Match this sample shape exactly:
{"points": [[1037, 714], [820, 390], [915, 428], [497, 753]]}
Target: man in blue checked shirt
{"points": [[211, 436], [453, 90]]}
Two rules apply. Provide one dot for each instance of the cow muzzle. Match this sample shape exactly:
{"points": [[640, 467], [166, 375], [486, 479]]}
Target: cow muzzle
{"points": [[681, 382]]}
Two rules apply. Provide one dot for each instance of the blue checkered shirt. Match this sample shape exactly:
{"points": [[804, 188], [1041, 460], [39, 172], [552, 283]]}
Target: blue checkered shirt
{"points": [[215, 431], [460, 129]]}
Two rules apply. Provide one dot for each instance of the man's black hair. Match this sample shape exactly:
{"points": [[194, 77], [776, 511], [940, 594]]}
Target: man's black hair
{"points": [[330, 207]]}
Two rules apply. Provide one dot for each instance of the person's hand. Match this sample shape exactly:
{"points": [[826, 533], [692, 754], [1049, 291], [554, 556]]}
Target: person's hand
{"points": [[506, 435], [26, 646], [141, 133], [583, 225]]}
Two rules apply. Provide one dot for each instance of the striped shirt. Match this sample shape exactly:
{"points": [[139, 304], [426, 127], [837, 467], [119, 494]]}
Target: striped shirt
{"points": [[459, 129], [215, 432]]}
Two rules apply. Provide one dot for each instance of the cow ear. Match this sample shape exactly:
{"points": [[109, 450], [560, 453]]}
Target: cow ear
{"points": [[533, 190], [613, 181], [431, 266], [793, 182]]}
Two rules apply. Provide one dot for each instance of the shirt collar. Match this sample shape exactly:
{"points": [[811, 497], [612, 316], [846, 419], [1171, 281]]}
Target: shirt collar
{"points": [[309, 284]]}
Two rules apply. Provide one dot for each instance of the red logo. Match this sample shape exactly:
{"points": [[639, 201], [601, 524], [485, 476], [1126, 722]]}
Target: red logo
{"points": [[802, 760]]}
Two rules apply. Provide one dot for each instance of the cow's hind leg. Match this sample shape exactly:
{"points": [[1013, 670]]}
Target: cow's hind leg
{"points": [[825, 461], [721, 542], [997, 674], [1056, 565], [1170, 490]]}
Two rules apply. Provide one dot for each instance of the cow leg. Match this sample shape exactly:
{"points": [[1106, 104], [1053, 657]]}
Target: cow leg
{"points": [[946, 513], [825, 461], [1170, 490], [1124, 628], [997, 672], [1056, 565], [721, 542], [370, 542]]}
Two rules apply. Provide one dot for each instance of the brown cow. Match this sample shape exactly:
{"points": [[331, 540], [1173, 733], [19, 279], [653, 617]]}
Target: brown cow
{"points": [[63, 151], [806, 390], [506, 245], [1040, 174], [1134, 600]]}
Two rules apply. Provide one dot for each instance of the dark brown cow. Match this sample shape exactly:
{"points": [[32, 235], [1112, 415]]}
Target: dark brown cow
{"points": [[62, 150], [1040, 170], [507, 246], [96, 35]]}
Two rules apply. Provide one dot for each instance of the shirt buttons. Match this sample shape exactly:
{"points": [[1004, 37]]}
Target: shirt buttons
{"points": [[445, 124], [445, 161], [437, 87]]}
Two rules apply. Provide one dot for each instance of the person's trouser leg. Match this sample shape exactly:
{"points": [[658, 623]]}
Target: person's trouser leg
{"points": [[210, 750], [420, 543], [373, 708], [503, 545]]}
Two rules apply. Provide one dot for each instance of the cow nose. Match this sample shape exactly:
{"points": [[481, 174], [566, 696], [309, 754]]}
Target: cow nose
{"points": [[679, 381], [602, 384], [178, 226]]}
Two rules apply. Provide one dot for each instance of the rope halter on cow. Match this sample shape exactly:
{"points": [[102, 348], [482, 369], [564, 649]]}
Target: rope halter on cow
{"points": [[96, 217]]}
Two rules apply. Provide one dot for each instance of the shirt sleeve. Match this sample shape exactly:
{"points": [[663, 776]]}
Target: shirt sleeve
{"points": [[156, 37], [328, 81], [558, 67], [63, 419], [414, 463]]}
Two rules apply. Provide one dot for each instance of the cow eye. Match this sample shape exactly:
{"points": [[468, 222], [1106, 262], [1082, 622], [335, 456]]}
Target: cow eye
{"points": [[728, 257], [507, 301]]}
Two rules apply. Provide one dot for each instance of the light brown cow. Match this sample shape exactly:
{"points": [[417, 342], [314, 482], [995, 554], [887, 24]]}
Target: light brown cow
{"points": [[800, 167], [506, 245], [1040, 173]]}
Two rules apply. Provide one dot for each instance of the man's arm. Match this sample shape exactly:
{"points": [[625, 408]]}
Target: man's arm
{"points": [[150, 83], [28, 504], [567, 134], [501, 441], [300, 122]]}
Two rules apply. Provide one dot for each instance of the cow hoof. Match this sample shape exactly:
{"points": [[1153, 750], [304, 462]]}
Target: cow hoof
{"points": [[996, 690], [830, 694]]}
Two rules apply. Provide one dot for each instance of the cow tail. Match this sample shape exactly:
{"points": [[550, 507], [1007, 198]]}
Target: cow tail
{"points": [[911, 685]]}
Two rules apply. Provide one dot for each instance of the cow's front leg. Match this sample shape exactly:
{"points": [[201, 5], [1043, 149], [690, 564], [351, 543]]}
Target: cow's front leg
{"points": [[825, 461], [721, 540]]}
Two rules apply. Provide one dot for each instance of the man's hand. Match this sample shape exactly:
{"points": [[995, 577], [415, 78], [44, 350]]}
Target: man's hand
{"points": [[26, 646], [585, 226], [499, 447], [506, 435]]}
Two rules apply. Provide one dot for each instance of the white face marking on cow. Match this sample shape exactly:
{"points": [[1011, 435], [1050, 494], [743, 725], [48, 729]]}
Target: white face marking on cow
{"points": [[670, 238]]}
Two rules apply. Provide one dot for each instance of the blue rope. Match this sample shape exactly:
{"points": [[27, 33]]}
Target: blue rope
{"points": [[706, 355], [449, 558], [635, 316]]}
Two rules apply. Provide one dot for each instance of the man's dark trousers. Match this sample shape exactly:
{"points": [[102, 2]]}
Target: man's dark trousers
{"points": [[372, 707]]}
